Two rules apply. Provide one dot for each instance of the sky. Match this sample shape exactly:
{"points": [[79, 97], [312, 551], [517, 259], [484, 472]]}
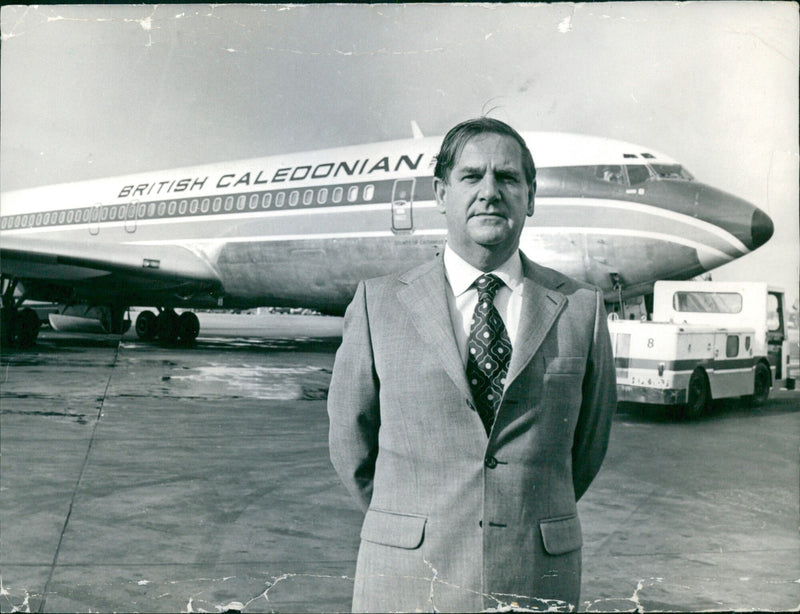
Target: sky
{"points": [[98, 90]]}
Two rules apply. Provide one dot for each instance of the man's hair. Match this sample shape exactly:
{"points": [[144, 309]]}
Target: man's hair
{"points": [[458, 136]]}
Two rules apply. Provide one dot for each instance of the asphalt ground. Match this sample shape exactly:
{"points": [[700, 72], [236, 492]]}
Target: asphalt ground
{"points": [[136, 477]]}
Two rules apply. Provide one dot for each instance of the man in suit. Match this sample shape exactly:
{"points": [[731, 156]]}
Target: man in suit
{"points": [[468, 462]]}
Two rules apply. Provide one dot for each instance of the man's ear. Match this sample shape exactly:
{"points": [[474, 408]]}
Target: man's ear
{"points": [[531, 197], [439, 190]]}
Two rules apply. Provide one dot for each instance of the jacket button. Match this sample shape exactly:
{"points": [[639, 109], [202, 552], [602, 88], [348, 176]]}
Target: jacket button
{"points": [[490, 462]]}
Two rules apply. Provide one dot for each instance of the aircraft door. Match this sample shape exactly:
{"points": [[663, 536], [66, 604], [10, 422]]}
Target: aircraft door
{"points": [[130, 217], [94, 220], [402, 202]]}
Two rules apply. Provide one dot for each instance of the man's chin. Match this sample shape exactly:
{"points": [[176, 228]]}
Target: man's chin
{"points": [[489, 235]]}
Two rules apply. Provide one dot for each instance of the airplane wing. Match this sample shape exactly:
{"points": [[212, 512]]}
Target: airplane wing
{"points": [[128, 274]]}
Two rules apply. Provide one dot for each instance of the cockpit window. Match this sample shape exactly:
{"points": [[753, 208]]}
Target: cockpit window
{"points": [[612, 173], [672, 171], [637, 173]]}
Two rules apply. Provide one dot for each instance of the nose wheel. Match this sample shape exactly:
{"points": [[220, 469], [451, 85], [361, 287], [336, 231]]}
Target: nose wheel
{"points": [[168, 326]]}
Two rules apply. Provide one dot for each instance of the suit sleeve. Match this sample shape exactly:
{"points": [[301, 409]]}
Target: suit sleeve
{"points": [[598, 406], [353, 408]]}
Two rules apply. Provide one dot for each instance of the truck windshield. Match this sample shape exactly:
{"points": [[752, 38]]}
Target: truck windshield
{"points": [[707, 302]]}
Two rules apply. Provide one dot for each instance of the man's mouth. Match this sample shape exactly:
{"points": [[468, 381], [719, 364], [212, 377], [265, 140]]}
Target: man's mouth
{"points": [[488, 215]]}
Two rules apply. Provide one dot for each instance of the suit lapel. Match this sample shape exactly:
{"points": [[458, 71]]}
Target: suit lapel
{"points": [[425, 297], [540, 307]]}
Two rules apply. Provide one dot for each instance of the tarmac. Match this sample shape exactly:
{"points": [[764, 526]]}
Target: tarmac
{"points": [[142, 478]]}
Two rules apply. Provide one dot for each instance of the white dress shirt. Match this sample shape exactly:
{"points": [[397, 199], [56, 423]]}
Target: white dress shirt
{"points": [[464, 296]]}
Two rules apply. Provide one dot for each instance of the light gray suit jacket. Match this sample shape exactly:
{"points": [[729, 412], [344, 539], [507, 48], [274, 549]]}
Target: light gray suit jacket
{"points": [[456, 520]]}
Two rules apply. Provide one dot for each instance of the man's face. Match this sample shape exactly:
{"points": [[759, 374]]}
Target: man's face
{"points": [[485, 199]]}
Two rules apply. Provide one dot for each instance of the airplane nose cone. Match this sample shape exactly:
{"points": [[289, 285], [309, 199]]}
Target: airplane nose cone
{"points": [[761, 228]]}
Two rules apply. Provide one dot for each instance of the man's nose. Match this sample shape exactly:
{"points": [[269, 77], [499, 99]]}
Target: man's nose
{"points": [[489, 189]]}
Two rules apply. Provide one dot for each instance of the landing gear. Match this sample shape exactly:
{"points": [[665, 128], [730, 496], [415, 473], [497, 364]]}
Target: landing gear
{"points": [[146, 326], [168, 326], [18, 327], [188, 327]]}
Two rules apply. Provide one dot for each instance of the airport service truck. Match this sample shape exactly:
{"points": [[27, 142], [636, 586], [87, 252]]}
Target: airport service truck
{"points": [[706, 340]]}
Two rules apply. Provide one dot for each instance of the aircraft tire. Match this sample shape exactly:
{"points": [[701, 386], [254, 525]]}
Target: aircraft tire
{"points": [[699, 396], [762, 382], [188, 327], [146, 328], [167, 326]]}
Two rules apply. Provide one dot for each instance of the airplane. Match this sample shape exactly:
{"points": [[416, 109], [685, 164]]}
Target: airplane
{"points": [[301, 229]]}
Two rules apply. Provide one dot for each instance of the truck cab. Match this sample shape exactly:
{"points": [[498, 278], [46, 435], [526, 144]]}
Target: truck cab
{"points": [[706, 340]]}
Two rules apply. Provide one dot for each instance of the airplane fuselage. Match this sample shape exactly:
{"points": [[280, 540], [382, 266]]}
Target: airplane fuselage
{"points": [[302, 229]]}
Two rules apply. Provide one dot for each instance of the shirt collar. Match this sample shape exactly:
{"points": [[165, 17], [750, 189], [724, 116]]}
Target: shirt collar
{"points": [[461, 274]]}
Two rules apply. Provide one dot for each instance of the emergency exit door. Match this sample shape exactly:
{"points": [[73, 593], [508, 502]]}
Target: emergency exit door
{"points": [[402, 203]]}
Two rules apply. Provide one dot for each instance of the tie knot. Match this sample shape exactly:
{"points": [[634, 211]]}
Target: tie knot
{"points": [[487, 286]]}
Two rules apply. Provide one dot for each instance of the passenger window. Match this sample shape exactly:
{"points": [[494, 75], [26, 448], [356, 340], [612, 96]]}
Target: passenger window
{"points": [[254, 201], [732, 346], [280, 199], [193, 206], [229, 203], [61, 217], [294, 197], [369, 192], [182, 207], [308, 197], [352, 193], [172, 206], [266, 201], [142, 210], [38, 219], [337, 194], [204, 205], [241, 202], [322, 196], [86, 213], [217, 204], [3, 223]]}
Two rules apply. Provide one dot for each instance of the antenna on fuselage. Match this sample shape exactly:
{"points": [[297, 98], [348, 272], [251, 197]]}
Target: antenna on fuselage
{"points": [[415, 131]]}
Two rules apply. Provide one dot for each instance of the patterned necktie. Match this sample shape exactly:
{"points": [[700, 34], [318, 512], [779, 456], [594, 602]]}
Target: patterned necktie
{"points": [[489, 351]]}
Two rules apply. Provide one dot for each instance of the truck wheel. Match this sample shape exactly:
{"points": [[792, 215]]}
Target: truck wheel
{"points": [[762, 381], [698, 394]]}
